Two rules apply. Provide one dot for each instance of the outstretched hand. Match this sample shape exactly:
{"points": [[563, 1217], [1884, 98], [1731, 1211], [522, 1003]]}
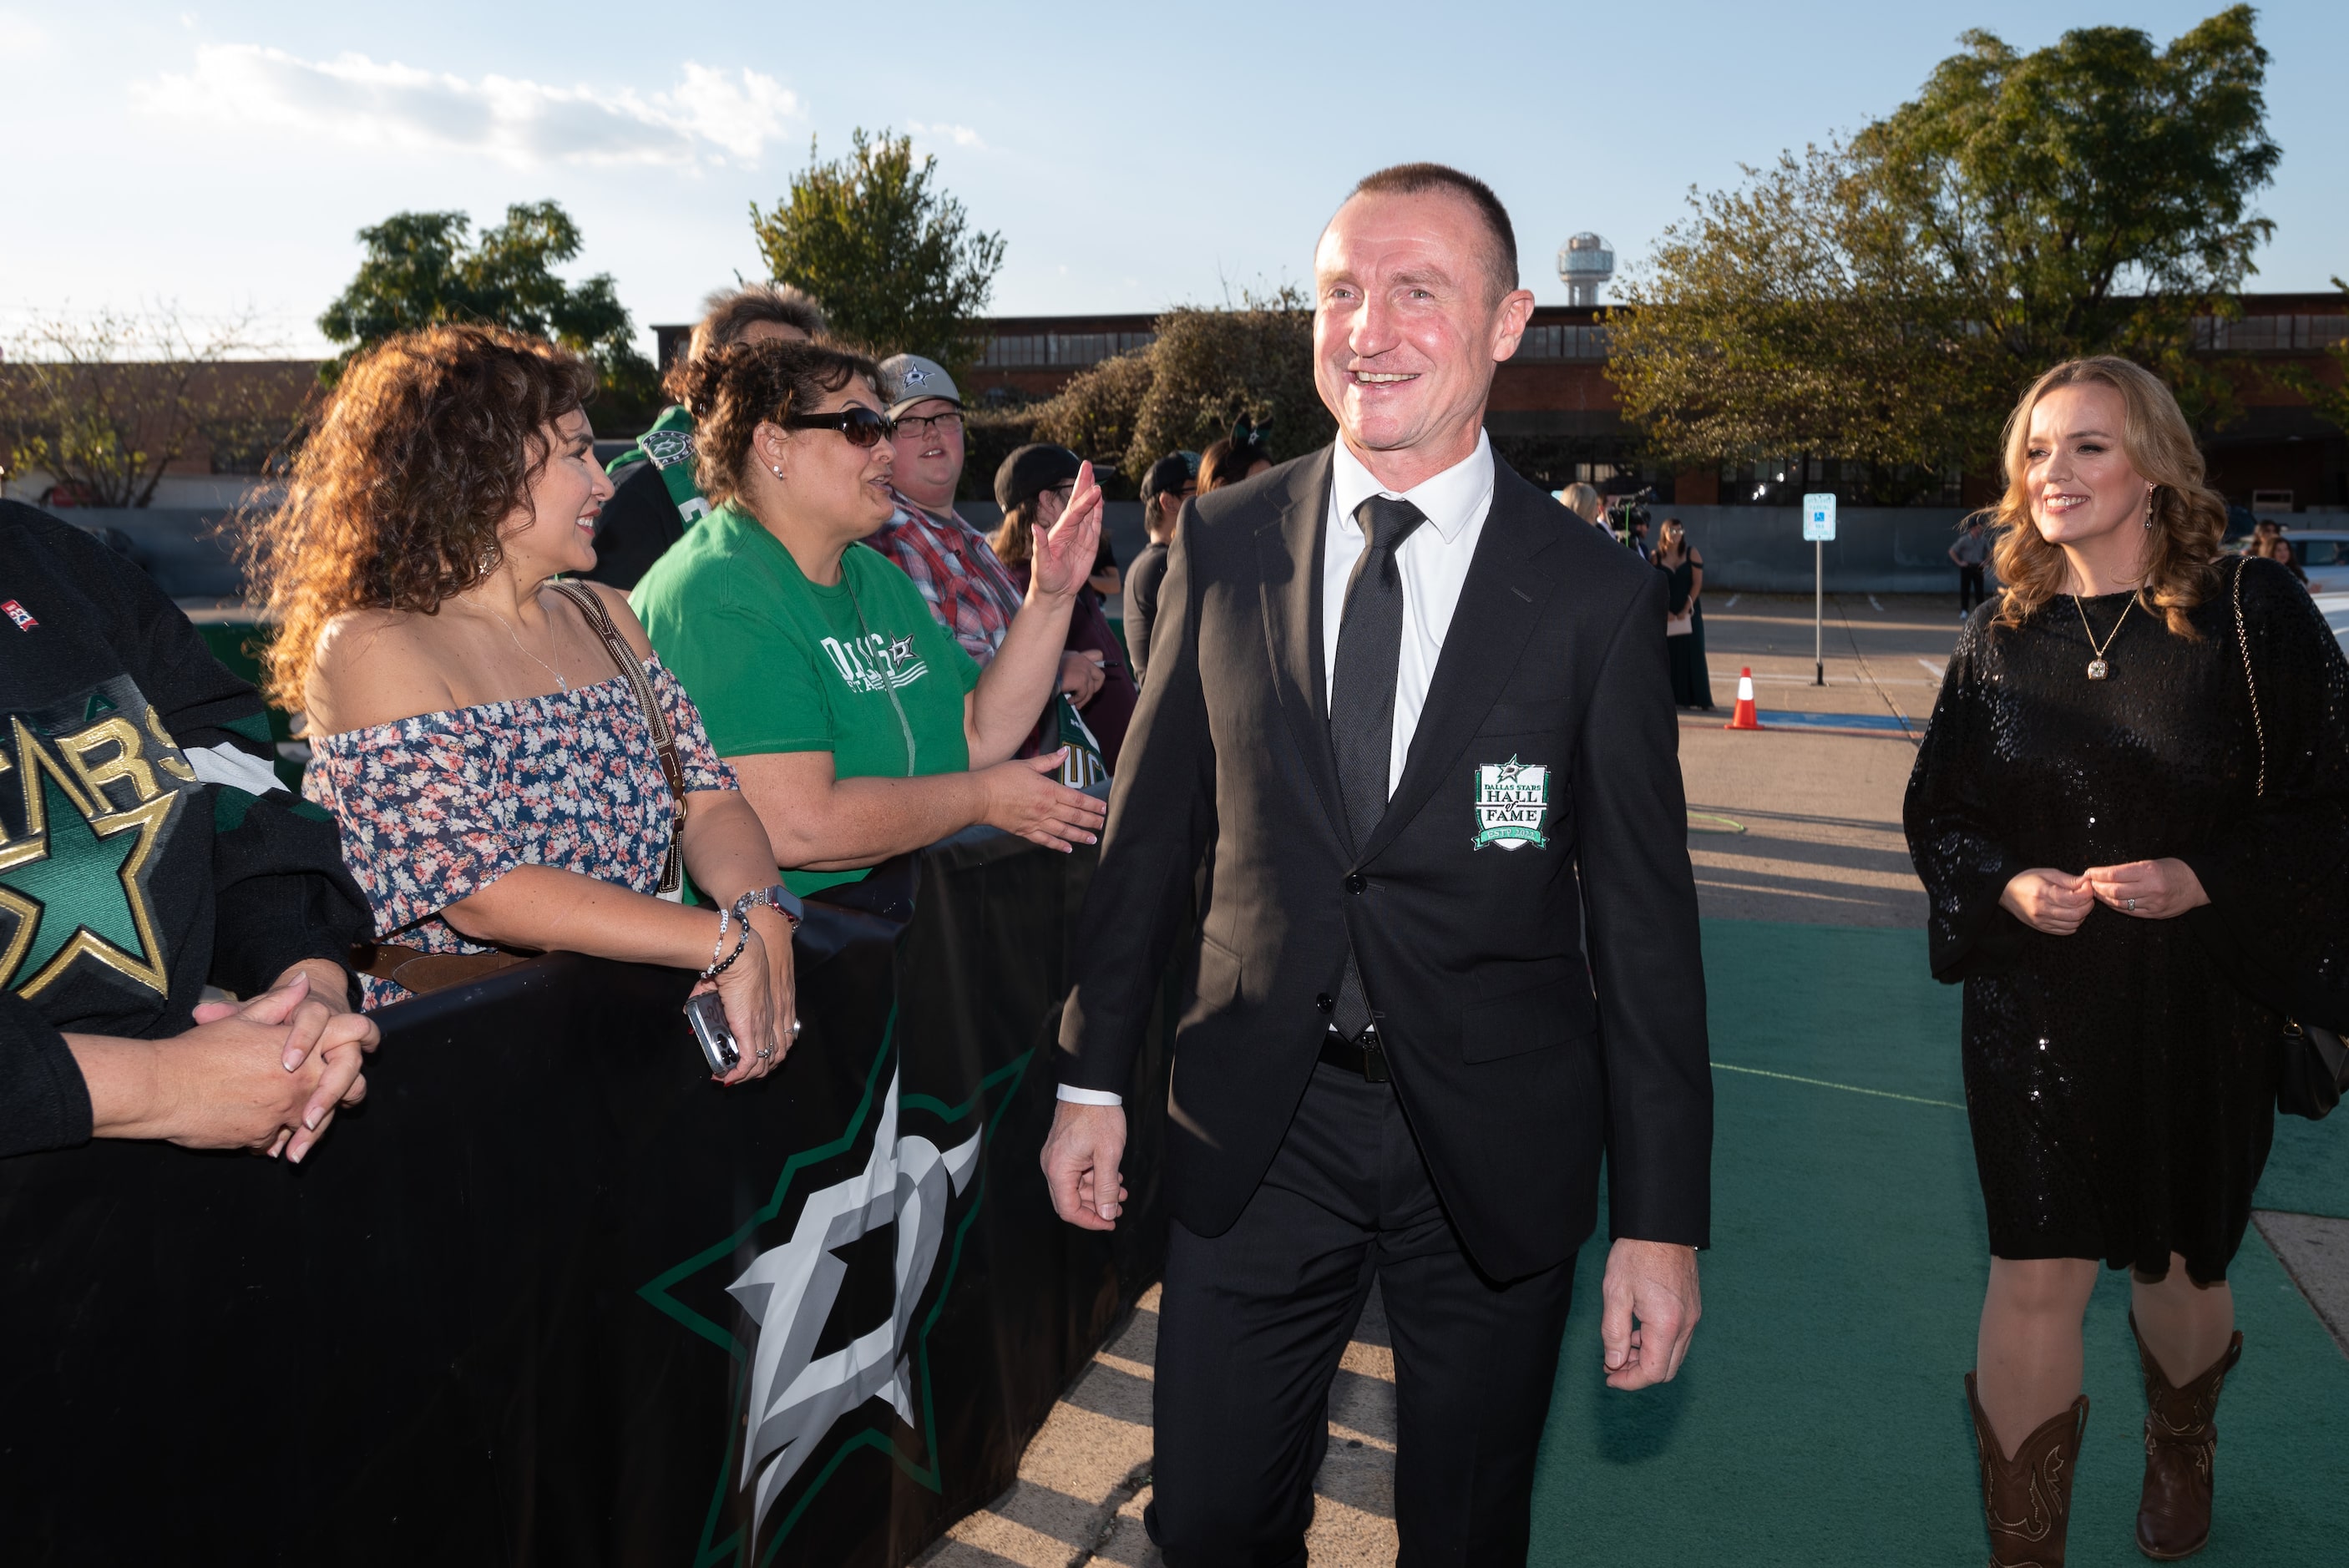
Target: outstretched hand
{"points": [[1065, 552], [1649, 1308]]}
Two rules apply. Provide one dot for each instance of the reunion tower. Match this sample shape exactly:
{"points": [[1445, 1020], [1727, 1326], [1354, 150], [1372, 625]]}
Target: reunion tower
{"points": [[1585, 263]]}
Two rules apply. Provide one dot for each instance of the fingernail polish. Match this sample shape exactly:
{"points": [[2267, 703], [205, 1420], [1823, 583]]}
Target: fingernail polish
{"points": [[310, 1120]]}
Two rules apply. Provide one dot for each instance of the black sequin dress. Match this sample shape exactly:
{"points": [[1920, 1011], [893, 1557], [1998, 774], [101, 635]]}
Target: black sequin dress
{"points": [[2120, 1081]]}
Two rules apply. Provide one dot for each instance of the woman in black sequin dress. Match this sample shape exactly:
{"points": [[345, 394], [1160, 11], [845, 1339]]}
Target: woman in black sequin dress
{"points": [[2088, 817]]}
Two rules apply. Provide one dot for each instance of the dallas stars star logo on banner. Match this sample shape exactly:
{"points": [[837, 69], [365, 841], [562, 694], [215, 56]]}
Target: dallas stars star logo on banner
{"points": [[928, 1185]]}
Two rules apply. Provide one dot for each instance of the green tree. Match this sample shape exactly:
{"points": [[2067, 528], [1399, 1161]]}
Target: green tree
{"points": [[2330, 399], [889, 252], [1204, 369], [105, 404], [1886, 299], [420, 269]]}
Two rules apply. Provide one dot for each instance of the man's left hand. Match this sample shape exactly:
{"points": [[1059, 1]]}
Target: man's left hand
{"points": [[1650, 1310]]}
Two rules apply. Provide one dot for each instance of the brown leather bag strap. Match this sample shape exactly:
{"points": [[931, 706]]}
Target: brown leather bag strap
{"points": [[663, 741], [423, 971]]}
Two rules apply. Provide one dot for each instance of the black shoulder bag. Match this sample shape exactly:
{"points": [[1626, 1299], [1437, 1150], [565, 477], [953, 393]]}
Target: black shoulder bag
{"points": [[2312, 1063]]}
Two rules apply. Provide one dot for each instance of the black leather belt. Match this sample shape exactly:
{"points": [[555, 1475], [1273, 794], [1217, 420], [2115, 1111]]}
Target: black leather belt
{"points": [[1361, 1055]]}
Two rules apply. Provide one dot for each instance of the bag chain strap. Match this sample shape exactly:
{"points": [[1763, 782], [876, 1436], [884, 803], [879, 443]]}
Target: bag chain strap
{"points": [[664, 742], [2243, 642]]}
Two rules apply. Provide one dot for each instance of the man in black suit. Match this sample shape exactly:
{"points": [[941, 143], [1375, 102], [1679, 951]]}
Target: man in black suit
{"points": [[1413, 719]]}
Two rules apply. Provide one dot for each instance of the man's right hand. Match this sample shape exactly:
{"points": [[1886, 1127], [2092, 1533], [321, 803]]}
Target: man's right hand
{"points": [[1081, 1164], [1025, 797]]}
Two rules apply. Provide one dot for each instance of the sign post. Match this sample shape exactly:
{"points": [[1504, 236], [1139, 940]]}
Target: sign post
{"points": [[1818, 527]]}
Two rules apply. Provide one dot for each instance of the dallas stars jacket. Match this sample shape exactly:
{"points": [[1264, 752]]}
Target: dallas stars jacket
{"points": [[146, 846]]}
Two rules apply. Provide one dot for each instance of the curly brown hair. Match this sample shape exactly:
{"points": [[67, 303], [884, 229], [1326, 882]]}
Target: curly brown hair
{"points": [[430, 442], [732, 390], [2189, 518], [728, 314]]}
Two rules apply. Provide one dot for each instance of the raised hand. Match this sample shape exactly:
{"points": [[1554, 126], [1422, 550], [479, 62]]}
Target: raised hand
{"points": [[1064, 553]]}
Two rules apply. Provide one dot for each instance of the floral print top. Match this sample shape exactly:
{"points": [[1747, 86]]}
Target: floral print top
{"points": [[435, 808]]}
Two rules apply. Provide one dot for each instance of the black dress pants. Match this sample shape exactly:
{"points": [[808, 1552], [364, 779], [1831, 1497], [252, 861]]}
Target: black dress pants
{"points": [[1970, 591], [1252, 1324]]}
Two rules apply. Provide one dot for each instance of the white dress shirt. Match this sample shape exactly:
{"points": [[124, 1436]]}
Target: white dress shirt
{"points": [[1432, 564]]}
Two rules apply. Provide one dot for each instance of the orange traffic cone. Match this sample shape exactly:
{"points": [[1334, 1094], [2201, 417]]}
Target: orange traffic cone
{"points": [[1744, 718]]}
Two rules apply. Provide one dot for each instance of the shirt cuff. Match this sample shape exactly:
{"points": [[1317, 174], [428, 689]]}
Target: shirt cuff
{"points": [[1090, 1095]]}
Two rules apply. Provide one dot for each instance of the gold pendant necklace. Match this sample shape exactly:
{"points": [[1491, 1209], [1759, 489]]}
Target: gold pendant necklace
{"points": [[2097, 668]]}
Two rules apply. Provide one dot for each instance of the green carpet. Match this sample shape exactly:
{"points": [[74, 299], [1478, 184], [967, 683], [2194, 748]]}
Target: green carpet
{"points": [[1820, 1419]]}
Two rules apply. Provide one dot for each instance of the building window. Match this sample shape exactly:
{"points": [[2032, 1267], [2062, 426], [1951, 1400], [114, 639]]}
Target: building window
{"points": [[1061, 350], [2273, 334], [1563, 342]]}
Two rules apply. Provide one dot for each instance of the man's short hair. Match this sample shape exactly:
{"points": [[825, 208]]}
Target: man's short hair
{"points": [[728, 314], [1416, 178]]}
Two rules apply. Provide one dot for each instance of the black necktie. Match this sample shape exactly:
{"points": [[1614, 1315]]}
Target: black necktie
{"points": [[1363, 695]]}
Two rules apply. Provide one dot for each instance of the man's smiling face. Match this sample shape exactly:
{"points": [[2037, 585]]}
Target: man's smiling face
{"points": [[1409, 320]]}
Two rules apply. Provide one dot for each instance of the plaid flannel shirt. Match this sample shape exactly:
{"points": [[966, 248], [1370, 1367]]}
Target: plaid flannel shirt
{"points": [[956, 570]]}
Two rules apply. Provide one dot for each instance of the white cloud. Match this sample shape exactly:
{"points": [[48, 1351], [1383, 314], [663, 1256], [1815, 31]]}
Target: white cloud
{"points": [[960, 135], [21, 38], [387, 104]]}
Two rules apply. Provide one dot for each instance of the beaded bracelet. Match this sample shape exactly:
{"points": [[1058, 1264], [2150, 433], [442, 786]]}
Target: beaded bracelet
{"points": [[742, 939]]}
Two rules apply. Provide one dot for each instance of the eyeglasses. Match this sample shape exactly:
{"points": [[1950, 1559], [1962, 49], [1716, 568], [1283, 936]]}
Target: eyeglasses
{"points": [[861, 426], [924, 425]]}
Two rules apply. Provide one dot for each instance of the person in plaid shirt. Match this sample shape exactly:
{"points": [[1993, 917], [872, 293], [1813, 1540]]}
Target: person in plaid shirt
{"points": [[949, 560]]}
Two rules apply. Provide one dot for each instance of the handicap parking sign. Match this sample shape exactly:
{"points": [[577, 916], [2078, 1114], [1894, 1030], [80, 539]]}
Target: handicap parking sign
{"points": [[1818, 518]]}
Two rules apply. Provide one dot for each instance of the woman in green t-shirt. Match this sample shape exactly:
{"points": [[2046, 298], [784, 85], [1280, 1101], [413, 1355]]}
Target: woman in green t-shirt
{"points": [[858, 725]]}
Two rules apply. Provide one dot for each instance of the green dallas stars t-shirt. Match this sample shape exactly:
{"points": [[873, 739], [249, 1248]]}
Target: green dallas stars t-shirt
{"points": [[776, 663]]}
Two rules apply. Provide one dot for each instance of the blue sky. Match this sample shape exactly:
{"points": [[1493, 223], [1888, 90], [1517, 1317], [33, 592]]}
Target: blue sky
{"points": [[221, 158]]}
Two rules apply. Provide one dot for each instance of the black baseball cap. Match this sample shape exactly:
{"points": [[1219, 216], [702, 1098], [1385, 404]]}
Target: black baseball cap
{"points": [[1033, 470], [1170, 473]]}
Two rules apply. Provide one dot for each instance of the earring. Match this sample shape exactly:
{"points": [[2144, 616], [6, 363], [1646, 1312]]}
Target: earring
{"points": [[777, 469], [2148, 507]]}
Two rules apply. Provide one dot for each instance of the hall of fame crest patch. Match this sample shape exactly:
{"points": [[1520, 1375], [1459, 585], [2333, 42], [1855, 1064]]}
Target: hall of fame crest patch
{"points": [[1512, 799]]}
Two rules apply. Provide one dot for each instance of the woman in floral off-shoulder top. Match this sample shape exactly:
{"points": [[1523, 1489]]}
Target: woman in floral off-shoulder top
{"points": [[498, 782]]}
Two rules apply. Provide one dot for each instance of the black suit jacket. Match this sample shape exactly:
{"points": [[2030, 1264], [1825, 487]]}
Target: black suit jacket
{"points": [[1517, 1061]]}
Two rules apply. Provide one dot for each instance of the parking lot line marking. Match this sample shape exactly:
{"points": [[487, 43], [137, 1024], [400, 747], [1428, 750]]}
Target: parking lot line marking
{"points": [[1931, 668], [1878, 608]]}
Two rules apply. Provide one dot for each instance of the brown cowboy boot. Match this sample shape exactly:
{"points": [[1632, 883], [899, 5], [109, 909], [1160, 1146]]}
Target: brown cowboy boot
{"points": [[2027, 1500], [2181, 1440]]}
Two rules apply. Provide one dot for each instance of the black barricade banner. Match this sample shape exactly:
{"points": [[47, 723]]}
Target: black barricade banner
{"points": [[553, 1296]]}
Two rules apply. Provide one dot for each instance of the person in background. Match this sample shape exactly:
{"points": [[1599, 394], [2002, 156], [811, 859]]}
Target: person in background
{"points": [[1684, 617], [500, 784], [1172, 480], [1638, 539], [858, 725], [657, 499], [2269, 543], [1586, 503], [1034, 486], [1238, 455], [1968, 554], [2130, 813], [152, 850], [950, 562]]}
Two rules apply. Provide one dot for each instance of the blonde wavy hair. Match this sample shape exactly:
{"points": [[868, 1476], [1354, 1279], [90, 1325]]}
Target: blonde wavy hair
{"points": [[2189, 518]]}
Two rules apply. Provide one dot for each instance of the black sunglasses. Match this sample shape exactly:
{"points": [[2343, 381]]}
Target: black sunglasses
{"points": [[861, 426]]}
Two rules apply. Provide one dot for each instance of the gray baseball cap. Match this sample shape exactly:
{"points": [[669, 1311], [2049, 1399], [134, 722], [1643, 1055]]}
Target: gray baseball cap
{"points": [[909, 378]]}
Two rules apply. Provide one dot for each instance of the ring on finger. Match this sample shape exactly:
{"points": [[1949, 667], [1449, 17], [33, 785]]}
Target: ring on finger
{"points": [[766, 1051], [795, 1029]]}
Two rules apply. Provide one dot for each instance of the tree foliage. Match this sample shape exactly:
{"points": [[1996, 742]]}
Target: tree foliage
{"points": [[105, 404], [1888, 298], [887, 250], [2330, 399], [421, 270], [1204, 369]]}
